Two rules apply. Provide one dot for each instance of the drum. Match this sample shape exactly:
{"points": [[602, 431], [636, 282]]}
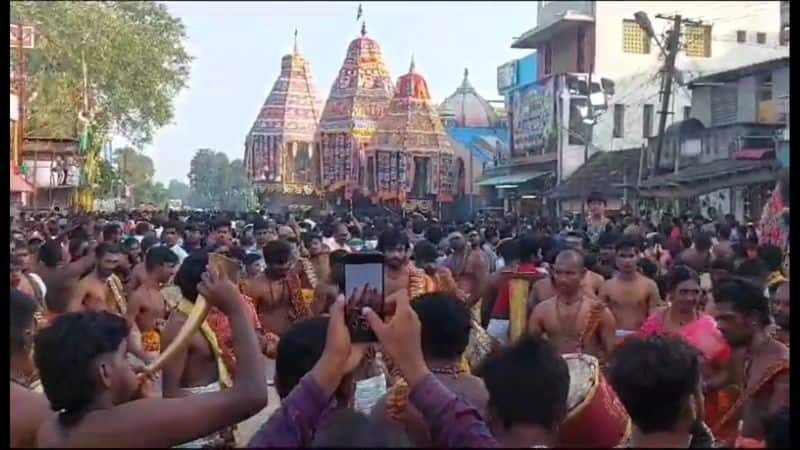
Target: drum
{"points": [[595, 416]]}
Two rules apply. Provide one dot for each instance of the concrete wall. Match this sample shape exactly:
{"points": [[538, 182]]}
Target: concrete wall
{"points": [[701, 104], [747, 101], [636, 75], [548, 11]]}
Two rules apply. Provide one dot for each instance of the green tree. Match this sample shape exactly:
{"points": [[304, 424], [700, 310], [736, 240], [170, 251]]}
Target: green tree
{"points": [[117, 64], [135, 168], [178, 190], [217, 182]]}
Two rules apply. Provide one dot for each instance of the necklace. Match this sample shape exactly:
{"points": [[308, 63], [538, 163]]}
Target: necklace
{"points": [[562, 319], [453, 371]]}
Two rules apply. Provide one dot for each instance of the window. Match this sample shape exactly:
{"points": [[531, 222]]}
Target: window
{"points": [[761, 38], [579, 64], [741, 36], [698, 40], [580, 131], [548, 59], [619, 119], [634, 38], [647, 121], [687, 112]]}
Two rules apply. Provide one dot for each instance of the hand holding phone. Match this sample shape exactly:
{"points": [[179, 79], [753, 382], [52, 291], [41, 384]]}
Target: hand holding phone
{"points": [[363, 280]]}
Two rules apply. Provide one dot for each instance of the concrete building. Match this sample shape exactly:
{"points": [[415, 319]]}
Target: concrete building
{"points": [[604, 40], [724, 156]]}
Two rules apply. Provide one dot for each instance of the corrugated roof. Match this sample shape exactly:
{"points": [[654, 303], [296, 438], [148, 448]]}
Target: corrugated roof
{"points": [[513, 179], [603, 172], [740, 72], [700, 172]]}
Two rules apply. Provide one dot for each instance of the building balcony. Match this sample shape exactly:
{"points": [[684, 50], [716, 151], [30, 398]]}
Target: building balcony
{"points": [[547, 30]]}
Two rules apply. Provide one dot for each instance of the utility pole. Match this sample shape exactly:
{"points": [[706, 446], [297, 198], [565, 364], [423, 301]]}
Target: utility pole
{"points": [[673, 39]]}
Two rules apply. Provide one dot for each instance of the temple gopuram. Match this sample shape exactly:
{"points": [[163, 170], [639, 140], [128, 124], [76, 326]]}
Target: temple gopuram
{"points": [[280, 156], [358, 98], [410, 159]]}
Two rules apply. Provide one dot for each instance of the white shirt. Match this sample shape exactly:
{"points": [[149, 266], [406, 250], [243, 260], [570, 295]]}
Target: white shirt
{"points": [[180, 252]]}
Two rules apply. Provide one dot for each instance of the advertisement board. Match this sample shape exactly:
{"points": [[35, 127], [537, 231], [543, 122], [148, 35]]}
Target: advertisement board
{"points": [[506, 76], [533, 119]]}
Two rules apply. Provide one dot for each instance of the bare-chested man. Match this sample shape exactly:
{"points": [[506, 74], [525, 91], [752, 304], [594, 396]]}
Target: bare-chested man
{"points": [[30, 283], [56, 272], [573, 321], [318, 255], [723, 248], [468, 265], [147, 308], [591, 282], [400, 279], [630, 296], [96, 290], [30, 407], [698, 256], [742, 314], [88, 350], [277, 292], [780, 311], [330, 288]]}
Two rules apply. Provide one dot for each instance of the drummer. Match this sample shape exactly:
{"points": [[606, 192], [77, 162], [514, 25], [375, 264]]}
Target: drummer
{"points": [[572, 320], [660, 404]]}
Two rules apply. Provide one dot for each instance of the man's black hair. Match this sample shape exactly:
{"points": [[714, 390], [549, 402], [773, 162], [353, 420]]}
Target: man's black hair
{"points": [[424, 253], [752, 268], [527, 383], [107, 249], [392, 239], [250, 258], [648, 268], [509, 251], [527, 248], [308, 237], [608, 238], [220, 223], [595, 196], [702, 241], [50, 253], [22, 307], [772, 255], [158, 256], [300, 347], [260, 224], [722, 264], [176, 225], [148, 242], [277, 252], [111, 230], [65, 353], [190, 273], [724, 231], [445, 323], [142, 228], [627, 242], [655, 370], [129, 243], [745, 297]]}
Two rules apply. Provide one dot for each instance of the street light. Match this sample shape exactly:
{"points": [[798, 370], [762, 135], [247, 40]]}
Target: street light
{"points": [[644, 23]]}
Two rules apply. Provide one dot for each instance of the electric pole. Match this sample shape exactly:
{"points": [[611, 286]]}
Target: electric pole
{"points": [[673, 39]]}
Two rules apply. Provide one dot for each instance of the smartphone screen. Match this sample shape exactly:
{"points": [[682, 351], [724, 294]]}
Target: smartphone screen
{"points": [[363, 281]]}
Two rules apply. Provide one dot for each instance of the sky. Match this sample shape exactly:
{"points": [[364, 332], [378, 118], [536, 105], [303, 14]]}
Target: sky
{"points": [[237, 49]]}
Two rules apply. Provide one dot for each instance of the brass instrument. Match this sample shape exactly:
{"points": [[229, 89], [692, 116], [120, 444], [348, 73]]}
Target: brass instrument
{"points": [[519, 286], [231, 268]]}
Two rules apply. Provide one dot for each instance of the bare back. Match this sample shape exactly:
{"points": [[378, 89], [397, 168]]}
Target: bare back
{"points": [[195, 366], [29, 410]]}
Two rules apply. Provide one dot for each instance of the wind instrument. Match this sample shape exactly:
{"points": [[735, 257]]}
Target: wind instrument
{"points": [[222, 264]]}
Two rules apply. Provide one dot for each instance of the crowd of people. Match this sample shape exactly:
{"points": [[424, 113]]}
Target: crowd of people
{"points": [[494, 333]]}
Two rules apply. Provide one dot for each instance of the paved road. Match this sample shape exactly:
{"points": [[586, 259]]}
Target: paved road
{"points": [[246, 429]]}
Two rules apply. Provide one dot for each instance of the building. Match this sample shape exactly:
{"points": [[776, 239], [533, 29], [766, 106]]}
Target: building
{"points": [[480, 135], [280, 155], [600, 43], [20, 188], [725, 155], [52, 167], [410, 159], [358, 98]]}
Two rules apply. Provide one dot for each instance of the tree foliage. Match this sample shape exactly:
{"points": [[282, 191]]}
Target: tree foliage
{"points": [[135, 65], [218, 183], [178, 190]]}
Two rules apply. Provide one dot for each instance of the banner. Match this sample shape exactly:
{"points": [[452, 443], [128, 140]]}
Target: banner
{"points": [[533, 126]]}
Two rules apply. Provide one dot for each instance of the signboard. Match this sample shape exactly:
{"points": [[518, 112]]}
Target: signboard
{"points": [[27, 36], [506, 76], [534, 119], [14, 107]]}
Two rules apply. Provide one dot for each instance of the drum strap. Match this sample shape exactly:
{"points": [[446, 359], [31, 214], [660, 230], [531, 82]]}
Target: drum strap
{"points": [[772, 371]]}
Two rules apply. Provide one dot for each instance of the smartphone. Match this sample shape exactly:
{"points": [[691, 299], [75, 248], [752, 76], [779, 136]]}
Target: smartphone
{"points": [[363, 286]]}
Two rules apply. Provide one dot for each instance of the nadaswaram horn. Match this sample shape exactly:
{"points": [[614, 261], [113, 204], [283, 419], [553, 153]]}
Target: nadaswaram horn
{"points": [[223, 265]]}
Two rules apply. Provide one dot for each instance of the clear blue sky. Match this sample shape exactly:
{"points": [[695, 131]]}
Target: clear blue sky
{"points": [[238, 47]]}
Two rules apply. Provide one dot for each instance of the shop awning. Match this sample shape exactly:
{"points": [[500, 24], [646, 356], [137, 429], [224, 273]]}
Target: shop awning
{"points": [[19, 183], [513, 179], [704, 178]]}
